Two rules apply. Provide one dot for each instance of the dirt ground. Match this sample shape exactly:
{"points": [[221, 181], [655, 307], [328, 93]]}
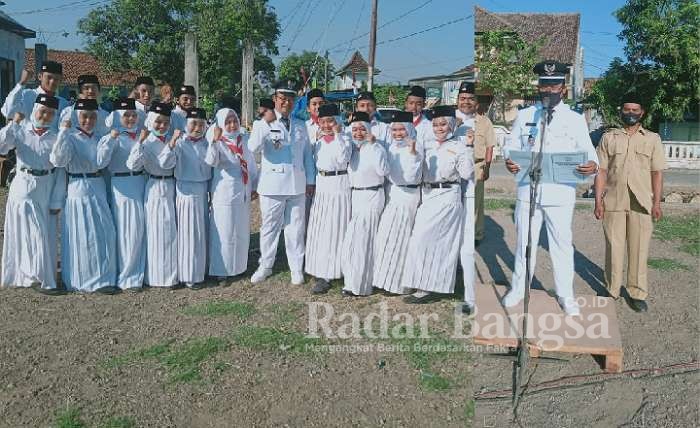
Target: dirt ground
{"points": [[239, 355]]}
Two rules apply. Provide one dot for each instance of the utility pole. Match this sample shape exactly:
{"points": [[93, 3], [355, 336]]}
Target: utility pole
{"points": [[325, 74], [372, 46], [247, 82], [192, 63]]}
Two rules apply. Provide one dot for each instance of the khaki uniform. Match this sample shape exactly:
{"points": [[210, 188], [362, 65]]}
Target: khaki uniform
{"points": [[629, 160], [484, 138]]}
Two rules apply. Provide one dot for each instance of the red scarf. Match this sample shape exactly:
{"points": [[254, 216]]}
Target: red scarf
{"points": [[84, 132], [314, 119], [328, 138], [40, 131], [160, 137], [417, 121], [132, 135], [237, 149]]}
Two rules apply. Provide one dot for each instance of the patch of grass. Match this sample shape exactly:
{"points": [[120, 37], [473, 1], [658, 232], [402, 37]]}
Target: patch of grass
{"points": [[666, 264], [498, 204], [69, 417], [432, 382], [240, 310], [469, 410], [583, 207], [680, 228], [286, 314], [274, 339], [119, 422], [183, 363]]}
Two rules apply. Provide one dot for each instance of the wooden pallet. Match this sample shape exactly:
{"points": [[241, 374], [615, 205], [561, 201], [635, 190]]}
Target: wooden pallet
{"points": [[595, 332]]}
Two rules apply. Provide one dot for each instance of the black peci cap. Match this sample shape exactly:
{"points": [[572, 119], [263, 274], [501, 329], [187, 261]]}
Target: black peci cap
{"points": [[52, 67], [360, 116], [88, 78], [186, 90], [314, 93], [47, 100], [161, 108], [467, 88], [401, 116], [124, 104], [417, 91], [90, 105], [144, 80], [197, 113], [328, 110], [267, 103], [442, 111]]}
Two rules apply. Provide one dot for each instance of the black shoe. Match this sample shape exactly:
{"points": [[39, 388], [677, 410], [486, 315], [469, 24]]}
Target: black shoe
{"points": [[222, 281], [413, 300], [196, 286], [135, 290], [52, 291], [347, 293], [109, 290], [477, 242], [322, 286], [467, 309], [637, 305]]}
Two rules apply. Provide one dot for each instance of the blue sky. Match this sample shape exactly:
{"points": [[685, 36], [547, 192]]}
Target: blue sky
{"points": [[329, 24]]}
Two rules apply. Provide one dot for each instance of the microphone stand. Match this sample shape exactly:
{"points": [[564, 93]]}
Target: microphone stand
{"points": [[523, 353]]}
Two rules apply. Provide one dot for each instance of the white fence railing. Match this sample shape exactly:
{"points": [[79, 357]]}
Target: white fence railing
{"points": [[682, 154]]}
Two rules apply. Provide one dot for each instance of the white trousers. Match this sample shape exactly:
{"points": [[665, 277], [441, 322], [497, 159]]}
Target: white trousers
{"points": [[288, 212], [466, 249], [557, 221]]}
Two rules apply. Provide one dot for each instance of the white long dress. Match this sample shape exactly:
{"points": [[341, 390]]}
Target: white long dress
{"points": [[159, 209], [330, 210], [368, 167], [433, 250], [88, 244], [229, 219], [191, 204], [396, 223], [127, 209], [27, 258]]}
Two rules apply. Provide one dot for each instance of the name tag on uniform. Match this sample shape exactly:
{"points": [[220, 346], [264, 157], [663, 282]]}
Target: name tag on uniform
{"points": [[531, 124], [276, 137], [277, 169]]}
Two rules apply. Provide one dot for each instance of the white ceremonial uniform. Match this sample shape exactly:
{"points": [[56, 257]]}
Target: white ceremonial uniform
{"points": [[21, 99], [331, 208], [142, 109], [159, 209], [192, 175], [286, 168], [127, 210], [312, 129], [467, 250], [367, 169], [178, 119], [88, 244], [27, 258], [424, 132], [431, 262], [380, 130], [229, 227], [567, 132], [100, 130], [396, 223]]}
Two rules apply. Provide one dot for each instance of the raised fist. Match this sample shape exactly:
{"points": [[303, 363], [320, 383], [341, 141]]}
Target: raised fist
{"points": [[143, 136], [19, 117], [25, 77], [114, 133], [218, 132]]}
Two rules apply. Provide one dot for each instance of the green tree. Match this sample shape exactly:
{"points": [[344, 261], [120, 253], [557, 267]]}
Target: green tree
{"points": [[390, 95], [148, 36], [314, 65], [505, 63], [662, 61]]}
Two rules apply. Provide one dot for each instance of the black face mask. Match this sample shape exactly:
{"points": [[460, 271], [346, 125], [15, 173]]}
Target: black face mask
{"points": [[550, 99], [630, 119]]}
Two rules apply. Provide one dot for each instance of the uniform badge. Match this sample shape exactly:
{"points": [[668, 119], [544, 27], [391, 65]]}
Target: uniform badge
{"points": [[276, 137]]}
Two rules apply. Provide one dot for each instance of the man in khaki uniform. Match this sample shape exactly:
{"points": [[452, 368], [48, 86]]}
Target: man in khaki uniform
{"points": [[627, 196], [484, 141]]}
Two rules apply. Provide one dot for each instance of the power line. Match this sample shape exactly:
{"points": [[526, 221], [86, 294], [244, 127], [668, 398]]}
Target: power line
{"points": [[406, 36], [72, 5], [357, 26]]}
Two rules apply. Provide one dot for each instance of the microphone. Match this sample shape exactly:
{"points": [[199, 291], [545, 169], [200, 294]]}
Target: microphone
{"points": [[548, 105]]}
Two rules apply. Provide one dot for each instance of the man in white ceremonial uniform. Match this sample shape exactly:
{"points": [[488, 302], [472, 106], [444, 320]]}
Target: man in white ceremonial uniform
{"points": [[186, 100], [287, 175], [415, 103], [314, 100], [89, 89], [21, 99], [368, 104], [142, 92], [566, 131]]}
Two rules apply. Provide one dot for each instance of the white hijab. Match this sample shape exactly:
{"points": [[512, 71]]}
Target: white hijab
{"points": [[34, 122], [410, 132], [114, 121], [221, 117]]}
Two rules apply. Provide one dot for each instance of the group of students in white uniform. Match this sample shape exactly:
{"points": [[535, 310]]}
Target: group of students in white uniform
{"points": [[150, 195]]}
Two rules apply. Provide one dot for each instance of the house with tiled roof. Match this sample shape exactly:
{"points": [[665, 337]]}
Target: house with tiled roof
{"points": [[12, 37], [354, 74], [443, 88], [76, 63]]}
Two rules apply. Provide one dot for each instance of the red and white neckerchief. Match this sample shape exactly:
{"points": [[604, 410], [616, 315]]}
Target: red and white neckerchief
{"points": [[39, 131], [314, 119], [328, 138], [131, 135], [84, 132], [237, 149], [417, 121], [160, 137], [194, 140]]}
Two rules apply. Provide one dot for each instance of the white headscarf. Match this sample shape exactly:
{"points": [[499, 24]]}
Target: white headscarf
{"points": [[114, 121], [410, 132], [221, 117], [451, 123], [34, 122], [368, 128], [150, 121], [190, 120]]}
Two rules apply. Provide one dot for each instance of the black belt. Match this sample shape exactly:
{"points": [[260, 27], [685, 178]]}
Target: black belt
{"points": [[442, 185], [84, 175], [127, 174], [160, 177], [410, 186], [332, 173], [37, 172], [377, 187]]}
